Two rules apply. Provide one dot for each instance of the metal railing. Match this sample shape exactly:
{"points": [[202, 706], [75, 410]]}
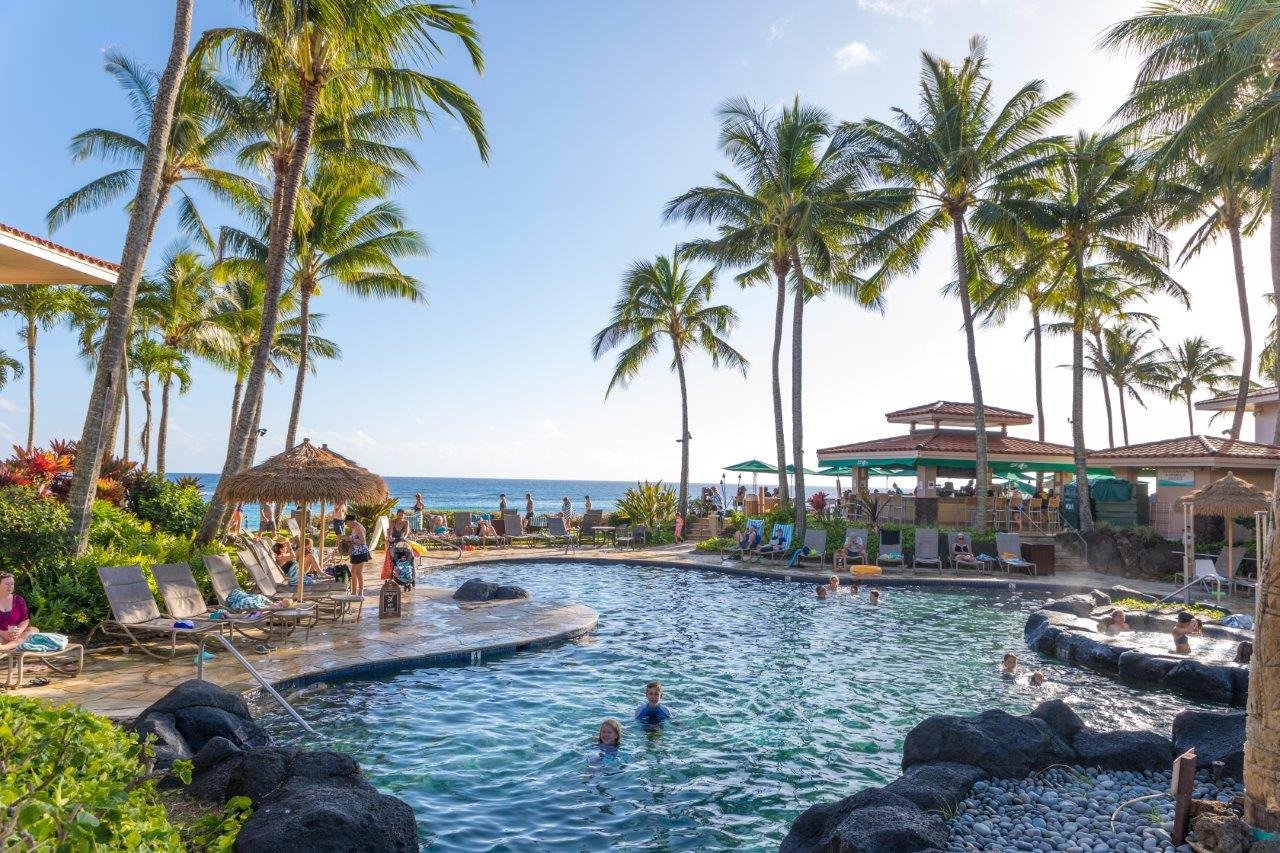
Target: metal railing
{"points": [[257, 676]]}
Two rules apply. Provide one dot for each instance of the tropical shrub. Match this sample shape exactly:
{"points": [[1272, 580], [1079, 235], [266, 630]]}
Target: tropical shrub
{"points": [[169, 506], [716, 544], [74, 781], [368, 514], [33, 529], [818, 501], [650, 504], [217, 831]]}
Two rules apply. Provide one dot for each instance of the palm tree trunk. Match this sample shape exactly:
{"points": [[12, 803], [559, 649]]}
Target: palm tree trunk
{"points": [[31, 385], [304, 315], [779, 430], [684, 438], [1275, 274], [1077, 403], [1124, 417], [162, 437], [797, 403], [132, 260], [124, 389], [1037, 334], [145, 438], [1191, 424], [1106, 395], [975, 376], [1262, 723], [1246, 360], [235, 405], [277, 251]]}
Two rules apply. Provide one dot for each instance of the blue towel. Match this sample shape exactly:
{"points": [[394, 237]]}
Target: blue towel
{"points": [[184, 623], [44, 642]]}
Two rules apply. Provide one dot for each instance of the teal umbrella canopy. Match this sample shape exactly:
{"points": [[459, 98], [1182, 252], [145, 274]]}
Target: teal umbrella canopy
{"points": [[753, 466], [791, 469]]}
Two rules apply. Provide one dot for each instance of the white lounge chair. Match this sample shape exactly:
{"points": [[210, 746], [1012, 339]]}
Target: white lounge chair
{"points": [[926, 553]]}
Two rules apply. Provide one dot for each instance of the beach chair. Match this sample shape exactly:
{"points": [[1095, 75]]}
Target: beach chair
{"points": [[890, 554], [953, 537], [334, 605], [268, 561], [1009, 553], [926, 553], [858, 534], [587, 527], [513, 529], [816, 541], [279, 622], [135, 616], [183, 600], [1228, 565], [1206, 574], [463, 533], [768, 551], [16, 659], [756, 524], [557, 529]]}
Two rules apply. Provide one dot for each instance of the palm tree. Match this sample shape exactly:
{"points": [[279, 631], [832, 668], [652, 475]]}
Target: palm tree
{"points": [[10, 368], [1221, 200], [1123, 359], [349, 236], [793, 221], [344, 54], [662, 301], [39, 307], [1097, 227], [1191, 365], [954, 168], [109, 380], [150, 358], [199, 137]]}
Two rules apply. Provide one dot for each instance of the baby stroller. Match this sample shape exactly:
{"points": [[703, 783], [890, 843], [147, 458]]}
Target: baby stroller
{"points": [[403, 561]]}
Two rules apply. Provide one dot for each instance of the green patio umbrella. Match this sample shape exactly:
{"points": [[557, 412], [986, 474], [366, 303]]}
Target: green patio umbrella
{"points": [[754, 467]]}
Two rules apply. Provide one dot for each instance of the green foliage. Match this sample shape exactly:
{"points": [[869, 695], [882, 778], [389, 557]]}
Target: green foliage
{"points": [[170, 507], [33, 529], [650, 504], [735, 519], [1201, 610], [368, 514], [716, 543], [216, 832], [74, 781]]}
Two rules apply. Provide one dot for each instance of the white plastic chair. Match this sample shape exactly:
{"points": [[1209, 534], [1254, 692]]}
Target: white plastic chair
{"points": [[1207, 573]]}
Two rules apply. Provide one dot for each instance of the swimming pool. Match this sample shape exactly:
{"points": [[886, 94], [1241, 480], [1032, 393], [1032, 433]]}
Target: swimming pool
{"points": [[781, 701]]}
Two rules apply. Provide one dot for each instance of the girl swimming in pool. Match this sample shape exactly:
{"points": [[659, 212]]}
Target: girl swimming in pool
{"points": [[610, 737]]}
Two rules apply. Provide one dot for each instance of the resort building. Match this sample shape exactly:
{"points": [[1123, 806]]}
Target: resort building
{"points": [[1263, 404], [28, 259]]}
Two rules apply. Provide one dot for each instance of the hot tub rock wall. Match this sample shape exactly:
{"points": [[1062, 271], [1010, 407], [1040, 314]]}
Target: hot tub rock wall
{"points": [[945, 757], [1067, 629], [303, 800]]}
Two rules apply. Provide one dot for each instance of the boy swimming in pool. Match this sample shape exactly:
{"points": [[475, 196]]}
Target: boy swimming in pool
{"points": [[652, 712]]}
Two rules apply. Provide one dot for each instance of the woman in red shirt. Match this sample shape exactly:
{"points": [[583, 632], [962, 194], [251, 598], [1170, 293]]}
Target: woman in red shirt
{"points": [[15, 619]]}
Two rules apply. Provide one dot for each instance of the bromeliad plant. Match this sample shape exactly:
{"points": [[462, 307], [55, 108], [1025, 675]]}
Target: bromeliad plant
{"points": [[650, 504]]}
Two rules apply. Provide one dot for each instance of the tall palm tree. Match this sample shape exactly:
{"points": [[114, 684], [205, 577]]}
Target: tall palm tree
{"points": [[150, 358], [344, 54], [1191, 365], [350, 236], [199, 137], [1097, 226], [10, 368], [39, 307], [1122, 358], [793, 220], [109, 379], [955, 167], [663, 302], [1218, 200]]}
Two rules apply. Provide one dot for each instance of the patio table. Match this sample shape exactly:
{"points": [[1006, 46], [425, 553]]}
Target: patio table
{"points": [[609, 531]]}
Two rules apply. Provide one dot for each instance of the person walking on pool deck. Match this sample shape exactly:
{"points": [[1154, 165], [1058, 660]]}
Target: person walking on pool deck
{"points": [[266, 518], [502, 504], [415, 520], [528, 509], [652, 712], [566, 507], [355, 537]]}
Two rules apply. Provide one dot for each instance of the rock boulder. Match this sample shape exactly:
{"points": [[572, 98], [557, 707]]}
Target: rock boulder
{"points": [[1195, 680], [870, 821], [475, 590], [509, 593], [937, 786], [1133, 751], [1079, 604], [1214, 736], [999, 743]]}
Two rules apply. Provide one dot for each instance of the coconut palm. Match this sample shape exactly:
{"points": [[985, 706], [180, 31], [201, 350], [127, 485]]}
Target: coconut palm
{"points": [[39, 307], [792, 220], [1122, 358], [1190, 366], [150, 358], [953, 168], [108, 382], [10, 368], [342, 55], [662, 301], [349, 236], [1098, 238]]}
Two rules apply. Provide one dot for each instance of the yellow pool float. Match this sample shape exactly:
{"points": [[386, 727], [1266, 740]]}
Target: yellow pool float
{"points": [[865, 571]]}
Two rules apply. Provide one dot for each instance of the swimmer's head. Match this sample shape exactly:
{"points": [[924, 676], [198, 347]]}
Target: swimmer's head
{"points": [[834, 581], [1117, 616], [822, 591], [610, 733], [873, 596], [1244, 652], [1184, 618], [1037, 678], [1010, 661], [653, 692]]}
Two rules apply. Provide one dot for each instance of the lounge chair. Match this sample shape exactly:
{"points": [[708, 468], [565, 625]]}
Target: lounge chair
{"points": [[756, 524], [860, 534], [268, 561], [587, 527], [135, 615], [223, 579], [1206, 573], [463, 533], [514, 530], [926, 553], [556, 529], [183, 600], [952, 538], [1009, 553], [332, 604], [19, 657], [1228, 566], [890, 553], [816, 541], [768, 550]]}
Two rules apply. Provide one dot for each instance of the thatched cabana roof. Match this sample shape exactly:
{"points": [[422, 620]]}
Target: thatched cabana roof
{"points": [[1229, 497], [306, 473]]}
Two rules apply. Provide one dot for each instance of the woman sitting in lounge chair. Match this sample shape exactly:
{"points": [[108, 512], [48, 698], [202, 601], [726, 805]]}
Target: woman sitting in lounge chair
{"points": [[485, 529], [748, 540], [15, 619], [962, 553], [856, 549]]}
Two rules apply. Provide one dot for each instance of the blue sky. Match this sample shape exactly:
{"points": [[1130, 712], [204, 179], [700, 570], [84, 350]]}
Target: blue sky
{"points": [[598, 114]]}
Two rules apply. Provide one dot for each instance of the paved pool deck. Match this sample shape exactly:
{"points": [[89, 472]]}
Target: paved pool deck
{"points": [[433, 629]]}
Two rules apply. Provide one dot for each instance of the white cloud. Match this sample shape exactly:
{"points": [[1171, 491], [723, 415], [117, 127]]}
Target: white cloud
{"points": [[778, 29], [855, 54], [922, 10], [547, 430]]}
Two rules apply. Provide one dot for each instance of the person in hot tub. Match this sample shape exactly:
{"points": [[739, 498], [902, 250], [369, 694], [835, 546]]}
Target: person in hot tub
{"points": [[1116, 623], [1187, 625]]}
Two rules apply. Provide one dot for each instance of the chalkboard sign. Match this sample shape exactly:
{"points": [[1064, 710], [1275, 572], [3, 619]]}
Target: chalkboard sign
{"points": [[389, 600]]}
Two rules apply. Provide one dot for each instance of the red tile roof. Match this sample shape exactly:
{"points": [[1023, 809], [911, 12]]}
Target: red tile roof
{"points": [[952, 442], [947, 409], [62, 250], [1190, 446], [1256, 395]]}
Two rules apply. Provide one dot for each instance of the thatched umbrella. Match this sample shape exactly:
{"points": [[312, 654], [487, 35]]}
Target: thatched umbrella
{"points": [[305, 474], [1230, 498]]}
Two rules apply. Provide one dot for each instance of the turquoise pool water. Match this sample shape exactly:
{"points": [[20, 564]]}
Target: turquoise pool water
{"points": [[780, 701]]}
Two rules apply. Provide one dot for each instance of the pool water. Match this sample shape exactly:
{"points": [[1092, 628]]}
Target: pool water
{"points": [[780, 701]]}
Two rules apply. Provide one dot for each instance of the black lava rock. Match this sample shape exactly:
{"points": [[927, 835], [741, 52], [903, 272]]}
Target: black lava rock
{"points": [[870, 821], [937, 786], [1198, 681], [475, 590], [1134, 751], [509, 593], [305, 816], [1214, 736], [1080, 604], [999, 743], [1064, 721], [1143, 669]]}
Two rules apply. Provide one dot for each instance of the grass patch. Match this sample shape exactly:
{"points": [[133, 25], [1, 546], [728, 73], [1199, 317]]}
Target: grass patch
{"points": [[1200, 610]]}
